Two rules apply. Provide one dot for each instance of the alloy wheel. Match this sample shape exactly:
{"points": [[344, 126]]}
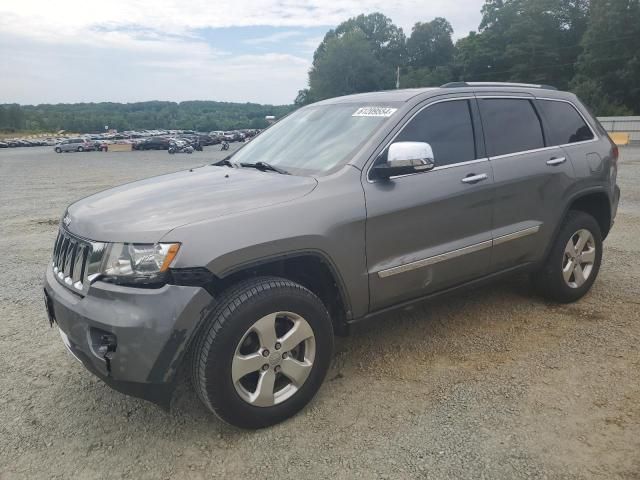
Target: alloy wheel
{"points": [[578, 259], [273, 359]]}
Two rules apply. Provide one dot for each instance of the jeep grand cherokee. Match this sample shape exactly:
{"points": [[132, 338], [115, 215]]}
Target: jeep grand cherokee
{"points": [[344, 211]]}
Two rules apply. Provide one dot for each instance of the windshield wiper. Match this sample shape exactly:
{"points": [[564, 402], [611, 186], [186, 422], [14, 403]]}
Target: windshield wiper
{"points": [[264, 166], [225, 162]]}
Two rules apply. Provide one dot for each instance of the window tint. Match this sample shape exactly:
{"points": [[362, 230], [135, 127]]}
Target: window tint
{"points": [[565, 123], [447, 127], [510, 125]]}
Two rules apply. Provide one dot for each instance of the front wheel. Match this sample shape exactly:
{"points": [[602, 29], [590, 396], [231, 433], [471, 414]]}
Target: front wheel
{"points": [[80, 149], [263, 352], [58, 150], [574, 260]]}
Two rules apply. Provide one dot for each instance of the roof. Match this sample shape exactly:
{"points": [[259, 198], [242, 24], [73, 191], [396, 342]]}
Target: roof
{"points": [[404, 95], [401, 95]]}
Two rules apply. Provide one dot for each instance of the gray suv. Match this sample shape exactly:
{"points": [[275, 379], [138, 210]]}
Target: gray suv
{"points": [[343, 212], [74, 145]]}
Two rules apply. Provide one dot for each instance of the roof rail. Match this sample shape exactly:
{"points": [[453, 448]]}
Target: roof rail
{"points": [[495, 84]]}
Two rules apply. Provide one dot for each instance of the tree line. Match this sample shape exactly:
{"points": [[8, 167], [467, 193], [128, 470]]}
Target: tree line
{"points": [[94, 117], [589, 47]]}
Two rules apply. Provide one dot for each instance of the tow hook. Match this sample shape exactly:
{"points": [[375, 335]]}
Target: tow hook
{"points": [[107, 348]]}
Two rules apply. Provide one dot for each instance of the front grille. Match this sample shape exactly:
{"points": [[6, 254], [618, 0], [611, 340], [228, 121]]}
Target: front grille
{"points": [[76, 261]]}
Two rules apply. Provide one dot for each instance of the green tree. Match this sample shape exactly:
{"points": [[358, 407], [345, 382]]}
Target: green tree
{"points": [[378, 47], [534, 41], [608, 70], [347, 65], [430, 44]]}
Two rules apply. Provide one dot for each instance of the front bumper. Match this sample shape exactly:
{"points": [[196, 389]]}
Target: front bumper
{"points": [[151, 330]]}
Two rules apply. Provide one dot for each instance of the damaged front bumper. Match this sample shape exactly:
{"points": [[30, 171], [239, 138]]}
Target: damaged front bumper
{"points": [[134, 339]]}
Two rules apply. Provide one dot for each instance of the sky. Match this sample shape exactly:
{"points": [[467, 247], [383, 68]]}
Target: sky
{"points": [[67, 51]]}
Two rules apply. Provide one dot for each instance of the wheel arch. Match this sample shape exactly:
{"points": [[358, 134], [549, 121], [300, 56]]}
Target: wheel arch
{"points": [[313, 269], [597, 204], [594, 202]]}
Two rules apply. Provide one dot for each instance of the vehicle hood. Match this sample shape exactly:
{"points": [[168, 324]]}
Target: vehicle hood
{"points": [[146, 210]]}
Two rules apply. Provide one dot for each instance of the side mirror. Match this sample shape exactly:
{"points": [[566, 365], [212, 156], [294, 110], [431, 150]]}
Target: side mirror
{"points": [[404, 158]]}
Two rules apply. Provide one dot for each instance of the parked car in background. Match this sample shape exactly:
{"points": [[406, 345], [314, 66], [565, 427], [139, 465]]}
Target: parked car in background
{"points": [[229, 136], [153, 143], [4, 145], [75, 145], [101, 145]]}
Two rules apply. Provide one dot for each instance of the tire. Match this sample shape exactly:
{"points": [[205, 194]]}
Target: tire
{"points": [[58, 150], [551, 280], [239, 314], [80, 149]]}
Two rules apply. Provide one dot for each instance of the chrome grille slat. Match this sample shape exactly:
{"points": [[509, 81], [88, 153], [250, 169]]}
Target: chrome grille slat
{"points": [[77, 264], [71, 260]]}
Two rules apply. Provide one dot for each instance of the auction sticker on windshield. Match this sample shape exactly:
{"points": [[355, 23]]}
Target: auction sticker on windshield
{"points": [[374, 112]]}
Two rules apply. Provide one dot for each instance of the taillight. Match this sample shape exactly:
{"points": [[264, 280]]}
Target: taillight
{"points": [[614, 150]]}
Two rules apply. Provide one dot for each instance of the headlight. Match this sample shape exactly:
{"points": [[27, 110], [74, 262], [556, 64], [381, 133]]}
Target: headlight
{"points": [[138, 263]]}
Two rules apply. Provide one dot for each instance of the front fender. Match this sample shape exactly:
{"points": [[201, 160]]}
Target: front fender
{"points": [[330, 221]]}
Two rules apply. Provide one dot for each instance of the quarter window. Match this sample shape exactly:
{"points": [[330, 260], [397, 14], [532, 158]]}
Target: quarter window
{"points": [[510, 125], [447, 127], [565, 123]]}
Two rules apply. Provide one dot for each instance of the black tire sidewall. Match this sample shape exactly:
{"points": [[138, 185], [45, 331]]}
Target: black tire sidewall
{"points": [[220, 391], [557, 286]]}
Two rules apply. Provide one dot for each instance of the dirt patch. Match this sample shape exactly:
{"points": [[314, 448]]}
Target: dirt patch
{"points": [[494, 383]]}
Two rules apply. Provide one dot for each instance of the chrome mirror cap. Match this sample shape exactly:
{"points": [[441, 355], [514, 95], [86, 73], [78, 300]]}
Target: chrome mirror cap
{"points": [[416, 155]]}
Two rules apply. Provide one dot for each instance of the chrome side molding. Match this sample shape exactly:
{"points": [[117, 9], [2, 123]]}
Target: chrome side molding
{"points": [[425, 262]]}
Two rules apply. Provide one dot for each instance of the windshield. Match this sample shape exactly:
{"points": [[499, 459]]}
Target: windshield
{"points": [[315, 139]]}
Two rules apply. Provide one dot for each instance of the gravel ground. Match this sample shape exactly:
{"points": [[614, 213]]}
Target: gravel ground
{"points": [[496, 385]]}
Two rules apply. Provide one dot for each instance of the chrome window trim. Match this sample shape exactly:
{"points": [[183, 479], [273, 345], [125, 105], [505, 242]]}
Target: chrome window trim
{"points": [[469, 97], [425, 262], [507, 97], [443, 167], [550, 147]]}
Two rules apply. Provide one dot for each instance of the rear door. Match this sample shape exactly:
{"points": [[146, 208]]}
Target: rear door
{"points": [[532, 177], [431, 230]]}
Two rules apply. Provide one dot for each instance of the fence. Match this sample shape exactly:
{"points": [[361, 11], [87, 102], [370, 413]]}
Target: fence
{"points": [[630, 125]]}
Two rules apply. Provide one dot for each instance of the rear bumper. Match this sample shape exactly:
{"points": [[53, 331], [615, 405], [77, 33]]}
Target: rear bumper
{"points": [[614, 203], [150, 328]]}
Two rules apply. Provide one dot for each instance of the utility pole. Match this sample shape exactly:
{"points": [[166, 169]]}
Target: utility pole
{"points": [[398, 77]]}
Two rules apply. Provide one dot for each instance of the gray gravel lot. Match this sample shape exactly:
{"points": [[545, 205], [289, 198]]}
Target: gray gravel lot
{"points": [[495, 384]]}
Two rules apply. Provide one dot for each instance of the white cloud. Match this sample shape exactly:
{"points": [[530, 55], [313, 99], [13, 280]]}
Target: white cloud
{"points": [[274, 38], [129, 50]]}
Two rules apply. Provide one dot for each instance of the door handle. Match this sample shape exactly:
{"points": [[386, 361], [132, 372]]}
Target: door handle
{"points": [[471, 178], [556, 161]]}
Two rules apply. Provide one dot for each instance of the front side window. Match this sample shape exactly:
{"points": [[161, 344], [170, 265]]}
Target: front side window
{"points": [[447, 127], [317, 138], [565, 123], [510, 125]]}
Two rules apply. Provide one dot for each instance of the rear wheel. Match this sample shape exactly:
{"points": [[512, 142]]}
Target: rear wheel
{"points": [[574, 260], [263, 353]]}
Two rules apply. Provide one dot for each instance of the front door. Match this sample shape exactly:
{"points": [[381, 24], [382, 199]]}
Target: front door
{"points": [[428, 231]]}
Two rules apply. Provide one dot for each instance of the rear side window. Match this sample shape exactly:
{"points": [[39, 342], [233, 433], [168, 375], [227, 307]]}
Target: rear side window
{"points": [[510, 125], [447, 127], [565, 123]]}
